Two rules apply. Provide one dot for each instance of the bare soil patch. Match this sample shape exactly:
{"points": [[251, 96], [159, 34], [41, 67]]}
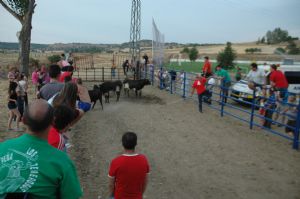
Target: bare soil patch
{"points": [[192, 155]]}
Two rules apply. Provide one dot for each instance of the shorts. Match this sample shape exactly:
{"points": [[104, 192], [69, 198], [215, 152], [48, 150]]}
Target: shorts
{"points": [[11, 106], [283, 94], [291, 124], [262, 111], [85, 106]]}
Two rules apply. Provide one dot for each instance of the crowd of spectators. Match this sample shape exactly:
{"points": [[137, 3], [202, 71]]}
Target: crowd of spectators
{"points": [[274, 101], [36, 164]]}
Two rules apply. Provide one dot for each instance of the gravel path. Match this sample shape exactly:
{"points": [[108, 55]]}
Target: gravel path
{"points": [[192, 155]]}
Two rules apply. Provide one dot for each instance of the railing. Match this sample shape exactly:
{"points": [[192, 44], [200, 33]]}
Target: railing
{"points": [[236, 107], [223, 99], [99, 74]]}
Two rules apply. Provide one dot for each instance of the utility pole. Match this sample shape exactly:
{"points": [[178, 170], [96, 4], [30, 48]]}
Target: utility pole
{"points": [[135, 36]]}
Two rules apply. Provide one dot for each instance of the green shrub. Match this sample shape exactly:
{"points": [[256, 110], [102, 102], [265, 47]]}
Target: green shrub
{"points": [[54, 59], [226, 57]]}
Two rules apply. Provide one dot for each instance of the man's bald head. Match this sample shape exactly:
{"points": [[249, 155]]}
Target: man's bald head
{"points": [[38, 116]]}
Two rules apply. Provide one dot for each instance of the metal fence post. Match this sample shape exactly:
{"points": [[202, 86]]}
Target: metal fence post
{"points": [[145, 71], [85, 74], [152, 75], [171, 86], [222, 97], [102, 74], [184, 83], [297, 128], [160, 78], [94, 74], [252, 110]]}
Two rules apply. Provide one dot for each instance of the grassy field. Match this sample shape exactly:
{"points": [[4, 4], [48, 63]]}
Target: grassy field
{"points": [[197, 66]]}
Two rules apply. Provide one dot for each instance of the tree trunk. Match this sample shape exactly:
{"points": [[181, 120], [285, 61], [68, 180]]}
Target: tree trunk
{"points": [[25, 38]]}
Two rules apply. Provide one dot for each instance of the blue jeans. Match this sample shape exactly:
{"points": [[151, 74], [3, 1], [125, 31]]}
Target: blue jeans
{"points": [[283, 93], [20, 103]]}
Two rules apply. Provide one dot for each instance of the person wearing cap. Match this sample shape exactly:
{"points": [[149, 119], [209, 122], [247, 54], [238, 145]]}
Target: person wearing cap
{"points": [[206, 69], [199, 85]]}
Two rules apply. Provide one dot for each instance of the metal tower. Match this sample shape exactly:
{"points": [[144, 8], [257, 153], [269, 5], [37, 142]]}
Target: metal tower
{"points": [[135, 33]]}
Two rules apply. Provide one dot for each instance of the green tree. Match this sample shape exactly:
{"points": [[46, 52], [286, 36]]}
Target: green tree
{"points": [[185, 50], [54, 58], [22, 10], [193, 54], [262, 40], [277, 35], [227, 56], [279, 51]]}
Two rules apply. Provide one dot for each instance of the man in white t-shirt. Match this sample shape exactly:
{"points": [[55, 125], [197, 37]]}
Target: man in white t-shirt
{"points": [[255, 77]]}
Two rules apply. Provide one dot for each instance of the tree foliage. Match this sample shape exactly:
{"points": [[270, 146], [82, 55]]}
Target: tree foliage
{"points": [[279, 51], [185, 50], [193, 54], [22, 10], [20, 7], [278, 35], [252, 50], [227, 56], [54, 59]]}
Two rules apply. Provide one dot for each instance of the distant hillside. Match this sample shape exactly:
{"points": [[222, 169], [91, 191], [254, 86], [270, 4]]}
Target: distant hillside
{"points": [[78, 47], [15, 46], [83, 47]]}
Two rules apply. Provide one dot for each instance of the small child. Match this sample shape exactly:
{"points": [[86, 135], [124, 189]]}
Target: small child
{"points": [[291, 112], [84, 101], [269, 106], [262, 110], [63, 117]]}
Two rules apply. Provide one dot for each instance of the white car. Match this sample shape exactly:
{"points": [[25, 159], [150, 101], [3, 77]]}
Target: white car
{"points": [[242, 93]]}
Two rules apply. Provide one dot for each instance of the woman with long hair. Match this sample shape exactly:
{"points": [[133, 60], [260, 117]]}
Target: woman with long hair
{"points": [[68, 96], [12, 106]]}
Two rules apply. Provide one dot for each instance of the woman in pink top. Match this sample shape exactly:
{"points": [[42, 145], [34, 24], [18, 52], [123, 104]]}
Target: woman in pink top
{"points": [[35, 77]]}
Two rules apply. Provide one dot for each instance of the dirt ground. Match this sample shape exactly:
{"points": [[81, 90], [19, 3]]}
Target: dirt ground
{"points": [[192, 155]]}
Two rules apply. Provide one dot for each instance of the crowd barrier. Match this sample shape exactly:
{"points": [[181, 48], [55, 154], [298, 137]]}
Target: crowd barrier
{"points": [[227, 102], [223, 99]]}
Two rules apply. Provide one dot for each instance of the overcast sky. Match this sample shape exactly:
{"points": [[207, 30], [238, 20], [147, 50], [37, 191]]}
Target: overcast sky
{"points": [[183, 21]]}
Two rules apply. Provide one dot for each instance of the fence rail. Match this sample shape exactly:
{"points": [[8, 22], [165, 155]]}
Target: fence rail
{"points": [[244, 111], [181, 85]]}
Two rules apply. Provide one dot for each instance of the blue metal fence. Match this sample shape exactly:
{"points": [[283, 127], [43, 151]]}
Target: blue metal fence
{"points": [[234, 107]]}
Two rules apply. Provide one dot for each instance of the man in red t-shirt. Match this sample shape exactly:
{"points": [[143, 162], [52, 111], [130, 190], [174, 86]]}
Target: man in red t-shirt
{"points": [[206, 70], [199, 85], [277, 78], [128, 173], [279, 82]]}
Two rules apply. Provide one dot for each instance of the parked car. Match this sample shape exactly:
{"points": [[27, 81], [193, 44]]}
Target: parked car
{"points": [[242, 93]]}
